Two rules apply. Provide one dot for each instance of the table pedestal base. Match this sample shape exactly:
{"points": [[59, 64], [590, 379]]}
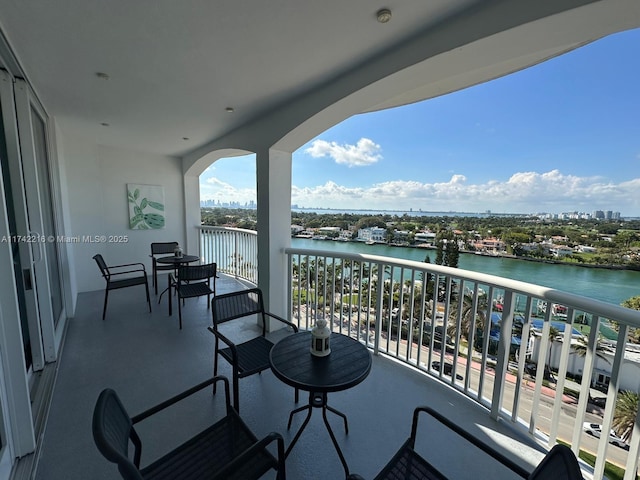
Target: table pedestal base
{"points": [[319, 400]]}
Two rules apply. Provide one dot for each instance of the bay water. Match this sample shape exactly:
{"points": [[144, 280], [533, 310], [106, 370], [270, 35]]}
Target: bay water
{"points": [[607, 285]]}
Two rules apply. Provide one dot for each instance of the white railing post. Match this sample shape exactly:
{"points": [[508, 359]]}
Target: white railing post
{"points": [[379, 303], [233, 250], [476, 366], [504, 348]]}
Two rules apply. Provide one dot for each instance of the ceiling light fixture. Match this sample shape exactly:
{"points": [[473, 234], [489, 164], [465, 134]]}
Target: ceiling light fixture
{"points": [[229, 110], [383, 15]]}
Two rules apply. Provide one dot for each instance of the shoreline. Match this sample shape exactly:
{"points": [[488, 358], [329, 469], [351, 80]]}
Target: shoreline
{"points": [[490, 255]]}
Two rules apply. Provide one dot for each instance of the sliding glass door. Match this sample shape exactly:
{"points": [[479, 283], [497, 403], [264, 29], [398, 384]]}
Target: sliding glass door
{"points": [[32, 303], [40, 221], [47, 202]]}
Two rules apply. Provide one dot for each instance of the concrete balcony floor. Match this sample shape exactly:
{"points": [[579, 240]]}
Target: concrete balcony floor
{"points": [[146, 359]]}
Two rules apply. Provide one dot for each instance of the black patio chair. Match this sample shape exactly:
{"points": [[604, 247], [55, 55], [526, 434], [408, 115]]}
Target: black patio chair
{"points": [[559, 464], [122, 276], [228, 449], [193, 281], [160, 249], [250, 356]]}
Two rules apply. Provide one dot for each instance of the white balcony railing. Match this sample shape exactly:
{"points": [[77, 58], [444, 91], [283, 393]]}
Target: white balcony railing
{"points": [[478, 333], [234, 250]]}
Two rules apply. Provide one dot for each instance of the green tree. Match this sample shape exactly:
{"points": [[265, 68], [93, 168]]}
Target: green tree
{"points": [[634, 304], [624, 416], [439, 253], [468, 314], [553, 336], [602, 349], [447, 249]]}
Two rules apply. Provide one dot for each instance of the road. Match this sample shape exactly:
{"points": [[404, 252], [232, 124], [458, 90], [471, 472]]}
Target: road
{"points": [[567, 417], [566, 420]]}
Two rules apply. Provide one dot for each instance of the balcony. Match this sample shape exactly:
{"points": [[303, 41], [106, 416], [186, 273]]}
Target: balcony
{"points": [[348, 288], [520, 414], [94, 102], [98, 354]]}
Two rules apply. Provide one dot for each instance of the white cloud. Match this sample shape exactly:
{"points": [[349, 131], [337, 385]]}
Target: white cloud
{"points": [[214, 189], [365, 152], [523, 192]]}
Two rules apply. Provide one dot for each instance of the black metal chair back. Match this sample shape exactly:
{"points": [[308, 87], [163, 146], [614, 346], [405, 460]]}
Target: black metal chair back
{"points": [[160, 248], [122, 276], [194, 281], [225, 450], [250, 356], [194, 273], [113, 434], [237, 305], [102, 265], [559, 463]]}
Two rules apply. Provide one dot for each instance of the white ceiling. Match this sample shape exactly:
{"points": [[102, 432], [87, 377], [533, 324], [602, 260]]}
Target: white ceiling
{"points": [[174, 66]]}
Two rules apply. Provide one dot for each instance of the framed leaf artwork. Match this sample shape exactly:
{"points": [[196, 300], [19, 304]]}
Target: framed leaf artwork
{"points": [[146, 206]]}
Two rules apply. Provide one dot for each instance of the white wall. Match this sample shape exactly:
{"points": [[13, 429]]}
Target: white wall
{"points": [[630, 376], [97, 178]]}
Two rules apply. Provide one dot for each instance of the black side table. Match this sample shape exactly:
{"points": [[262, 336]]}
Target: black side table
{"points": [[347, 365]]}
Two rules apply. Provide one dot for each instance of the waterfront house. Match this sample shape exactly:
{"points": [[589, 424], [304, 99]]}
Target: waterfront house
{"points": [[330, 232], [428, 238], [101, 100], [372, 234], [560, 250], [489, 245], [345, 235]]}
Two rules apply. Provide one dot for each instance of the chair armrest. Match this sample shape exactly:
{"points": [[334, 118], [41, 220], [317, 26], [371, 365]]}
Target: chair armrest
{"points": [[112, 274], [250, 453], [229, 343], [467, 436], [181, 396], [292, 325], [142, 269]]}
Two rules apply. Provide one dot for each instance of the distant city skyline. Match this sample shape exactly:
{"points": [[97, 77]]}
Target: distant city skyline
{"points": [[251, 205], [561, 136]]}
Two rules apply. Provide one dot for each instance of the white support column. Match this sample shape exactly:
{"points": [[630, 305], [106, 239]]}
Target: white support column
{"points": [[273, 178], [191, 214]]}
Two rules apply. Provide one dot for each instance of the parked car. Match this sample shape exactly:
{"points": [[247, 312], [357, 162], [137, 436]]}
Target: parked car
{"points": [[447, 370], [595, 429], [532, 369]]}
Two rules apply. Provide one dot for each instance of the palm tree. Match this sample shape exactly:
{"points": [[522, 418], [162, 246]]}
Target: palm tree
{"points": [[602, 349], [624, 416], [468, 314], [554, 334]]}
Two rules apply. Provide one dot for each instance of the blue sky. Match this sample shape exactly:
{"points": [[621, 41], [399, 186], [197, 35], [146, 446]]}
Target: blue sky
{"points": [[561, 136]]}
